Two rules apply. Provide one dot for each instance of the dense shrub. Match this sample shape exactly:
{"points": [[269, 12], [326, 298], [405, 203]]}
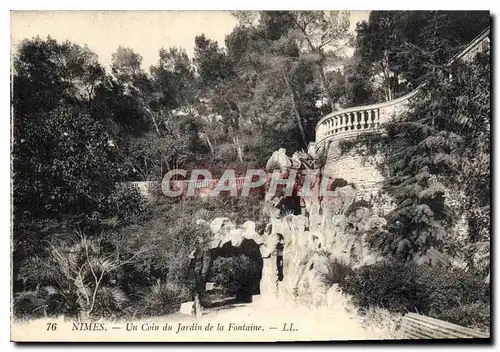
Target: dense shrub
{"points": [[389, 285], [334, 271], [453, 295], [170, 234], [474, 315], [458, 296], [162, 298], [127, 204], [45, 302], [110, 301]]}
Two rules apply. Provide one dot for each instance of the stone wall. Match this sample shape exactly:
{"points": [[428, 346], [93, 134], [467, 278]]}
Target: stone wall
{"points": [[147, 189], [354, 167]]}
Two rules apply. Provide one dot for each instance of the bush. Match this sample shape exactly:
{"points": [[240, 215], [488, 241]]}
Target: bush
{"points": [[458, 296], [127, 204], [387, 285], [159, 240], [47, 301], [474, 315], [358, 205], [335, 271], [110, 301], [162, 299]]}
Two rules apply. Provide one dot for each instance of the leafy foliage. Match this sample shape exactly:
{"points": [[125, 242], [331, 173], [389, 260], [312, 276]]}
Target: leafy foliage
{"points": [[81, 274], [162, 299], [79, 132], [334, 272], [439, 292], [400, 48], [236, 275], [428, 151]]}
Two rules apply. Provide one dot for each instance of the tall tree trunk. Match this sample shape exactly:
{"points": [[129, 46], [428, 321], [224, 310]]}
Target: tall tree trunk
{"points": [[155, 124], [317, 50], [296, 110], [324, 85], [236, 143], [210, 145]]}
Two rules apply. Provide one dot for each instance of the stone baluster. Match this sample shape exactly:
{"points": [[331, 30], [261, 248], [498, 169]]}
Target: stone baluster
{"points": [[347, 122], [365, 119], [377, 118], [370, 118]]}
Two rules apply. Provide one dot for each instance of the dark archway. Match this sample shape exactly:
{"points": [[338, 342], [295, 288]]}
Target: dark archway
{"points": [[247, 283], [289, 205]]}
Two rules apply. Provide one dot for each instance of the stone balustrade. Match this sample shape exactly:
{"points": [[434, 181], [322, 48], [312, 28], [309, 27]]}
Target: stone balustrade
{"points": [[349, 123]]}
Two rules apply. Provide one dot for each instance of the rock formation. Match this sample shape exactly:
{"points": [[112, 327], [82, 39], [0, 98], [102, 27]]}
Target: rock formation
{"points": [[310, 243], [332, 228]]}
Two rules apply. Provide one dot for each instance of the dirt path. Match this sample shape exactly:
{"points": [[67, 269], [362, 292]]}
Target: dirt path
{"points": [[286, 321], [261, 320]]}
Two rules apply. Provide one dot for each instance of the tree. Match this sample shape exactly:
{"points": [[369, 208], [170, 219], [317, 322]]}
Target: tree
{"points": [[323, 34], [47, 73], [443, 141], [357, 83], [126, 68], [399, 48], [64, 164], [174, 78], [62, 157], [267, 59], [126, 65], [379, 42], [213, 65]]}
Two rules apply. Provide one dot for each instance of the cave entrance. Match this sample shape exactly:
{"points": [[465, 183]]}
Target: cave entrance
{"points": [[290, 205], [236, 272]]}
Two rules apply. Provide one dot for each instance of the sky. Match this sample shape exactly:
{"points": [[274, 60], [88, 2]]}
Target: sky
{"points": [[143, 31]]}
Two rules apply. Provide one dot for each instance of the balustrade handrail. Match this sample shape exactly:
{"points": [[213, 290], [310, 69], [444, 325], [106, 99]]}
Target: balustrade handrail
{"points": [[470, 47], [369, 107]]}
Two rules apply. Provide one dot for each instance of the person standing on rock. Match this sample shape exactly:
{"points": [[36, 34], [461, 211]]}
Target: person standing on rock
{"points": [[199, 265], [279, 257]]}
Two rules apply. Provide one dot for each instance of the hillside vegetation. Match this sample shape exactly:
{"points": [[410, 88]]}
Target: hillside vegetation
{"points": [[83, 245]]}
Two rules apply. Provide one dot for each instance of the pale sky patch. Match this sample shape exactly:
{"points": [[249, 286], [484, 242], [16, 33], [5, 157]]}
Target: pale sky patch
{"points": [[143, 31]]}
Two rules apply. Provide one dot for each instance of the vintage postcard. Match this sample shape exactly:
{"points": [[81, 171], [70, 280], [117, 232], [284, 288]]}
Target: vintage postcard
{"points": [[250, 176]]}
